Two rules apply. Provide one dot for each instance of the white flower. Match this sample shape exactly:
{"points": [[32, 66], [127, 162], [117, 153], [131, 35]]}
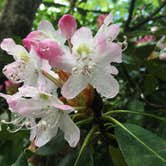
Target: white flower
{"points": [[27, 66], [31, 103], [90, 61]]}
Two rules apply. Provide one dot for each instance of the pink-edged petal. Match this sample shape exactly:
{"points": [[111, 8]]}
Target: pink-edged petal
{"points": [[46, 27], [112, 31], [73, 86], [109, 52], [104, 83], [12, 48], [66, 62], [71, 131], [64, 107], [108, 19], [82, 36]]}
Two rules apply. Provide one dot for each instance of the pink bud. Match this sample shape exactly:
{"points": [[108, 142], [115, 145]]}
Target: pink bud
{"points": [[49, 50], [67, 25], [8, 84], [100, 19], [1, 87], [33, 38], [162, 56], [146, 39]]}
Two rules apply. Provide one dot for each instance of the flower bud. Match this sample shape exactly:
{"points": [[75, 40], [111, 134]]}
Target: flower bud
{"points": [[162, 56], [100, 19], [67, 25], [8, 84], [49, 50], [1, 87], [33, 38]]}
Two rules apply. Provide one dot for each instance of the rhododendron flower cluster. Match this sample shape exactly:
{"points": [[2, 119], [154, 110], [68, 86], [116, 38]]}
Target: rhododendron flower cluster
{"points": [[146, 39], [69, 59]]}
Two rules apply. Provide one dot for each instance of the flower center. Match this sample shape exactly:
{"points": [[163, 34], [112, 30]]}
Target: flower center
{"points": [[83, 49], [24, 57]]}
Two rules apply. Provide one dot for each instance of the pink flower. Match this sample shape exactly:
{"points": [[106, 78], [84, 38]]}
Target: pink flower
{"points": [[146, 39], [1, 87], [162, 56], [100, 19], [67, 25]]}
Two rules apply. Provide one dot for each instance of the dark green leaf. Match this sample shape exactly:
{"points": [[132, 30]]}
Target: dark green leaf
{"points": [[137, 154]]}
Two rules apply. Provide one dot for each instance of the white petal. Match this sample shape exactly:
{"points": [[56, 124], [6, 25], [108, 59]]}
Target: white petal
{"points": [[82, 36], [46, 27], [33, 129], [111, 53], [104, 83], [108, 19], [14, 49], [71, 131], [44, 136], [46, 132], [112, 31], [73, 86], [15, 71]]}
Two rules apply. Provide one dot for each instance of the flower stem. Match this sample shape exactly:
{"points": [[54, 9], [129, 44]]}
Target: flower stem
{"points": [[70, 45], [86, 141], [51, 78]]}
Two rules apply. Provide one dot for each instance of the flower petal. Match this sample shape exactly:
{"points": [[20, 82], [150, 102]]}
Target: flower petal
{"points": [[109, 52], [14, 49], [46, 27], [104, 83], [47, 128], [71, 131], [112, 31], [108, 19], [64, 107], [73, 86], [44, 136], [15, 71], [82, 36]]}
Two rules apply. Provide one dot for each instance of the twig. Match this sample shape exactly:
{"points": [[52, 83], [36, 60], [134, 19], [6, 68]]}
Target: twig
{"points": [[150, 17], [131, 9]]}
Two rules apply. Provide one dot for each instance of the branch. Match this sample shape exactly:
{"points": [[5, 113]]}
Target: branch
{"points": [[131, 9], [50, 4], [150, 17]]}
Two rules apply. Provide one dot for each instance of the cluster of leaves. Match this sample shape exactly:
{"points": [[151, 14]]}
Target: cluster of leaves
{"points": [[126, 131]]}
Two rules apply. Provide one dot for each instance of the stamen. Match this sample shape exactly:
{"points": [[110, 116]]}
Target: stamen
{"points": [[15, 121]]}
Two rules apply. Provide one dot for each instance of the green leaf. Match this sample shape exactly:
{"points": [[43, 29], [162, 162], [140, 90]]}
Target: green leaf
{"points": [[150, 83], [23, 158], [85, 159], [102, 156], [139, 146], [116, 156]]}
